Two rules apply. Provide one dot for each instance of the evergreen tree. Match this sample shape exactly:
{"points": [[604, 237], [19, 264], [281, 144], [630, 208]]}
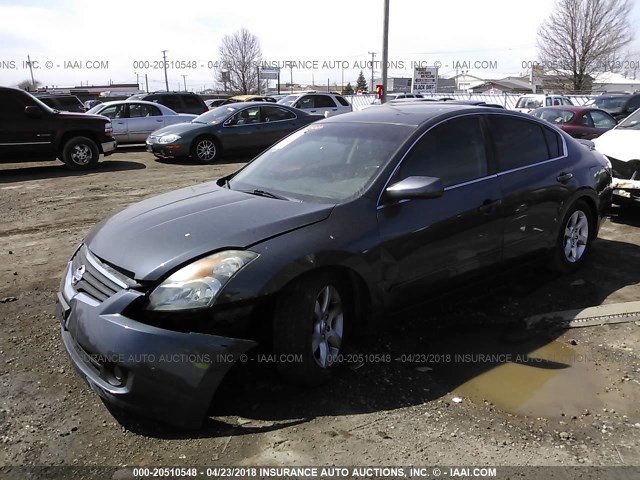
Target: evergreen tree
{"points": [[348, 90], [362, 84]]}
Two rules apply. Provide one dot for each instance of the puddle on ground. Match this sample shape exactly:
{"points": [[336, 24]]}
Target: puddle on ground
{"points": [[536, 378]]}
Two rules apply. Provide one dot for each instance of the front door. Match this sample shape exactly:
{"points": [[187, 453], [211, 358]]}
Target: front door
{"points": [[426, 242]]}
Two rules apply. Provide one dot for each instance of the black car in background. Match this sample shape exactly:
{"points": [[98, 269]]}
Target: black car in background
{"points": [[237, 126], [327, 231], [61, 102], [32, 130], [179, 102], [618, 105]]}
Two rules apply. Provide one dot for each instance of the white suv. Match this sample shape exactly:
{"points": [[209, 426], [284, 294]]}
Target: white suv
{"points": [[529, 102], [319, 103]]}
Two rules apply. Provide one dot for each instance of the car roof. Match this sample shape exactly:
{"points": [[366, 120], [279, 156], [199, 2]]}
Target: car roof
{"points": [[132, 100], [411, 114], [572, 108]]}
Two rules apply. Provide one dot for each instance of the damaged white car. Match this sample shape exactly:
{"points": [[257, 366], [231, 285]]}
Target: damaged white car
{"points": [[622, 146]]}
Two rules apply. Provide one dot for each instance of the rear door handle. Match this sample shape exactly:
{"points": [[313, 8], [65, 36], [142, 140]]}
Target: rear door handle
{"points": [[564, 177], [489, 206]]}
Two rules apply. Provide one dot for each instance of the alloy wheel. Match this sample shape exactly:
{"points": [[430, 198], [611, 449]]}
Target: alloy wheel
{"points": [[328, 327]]}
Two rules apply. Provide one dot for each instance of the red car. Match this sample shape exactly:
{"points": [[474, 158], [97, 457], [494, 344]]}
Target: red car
{"points": [[579, 122]]}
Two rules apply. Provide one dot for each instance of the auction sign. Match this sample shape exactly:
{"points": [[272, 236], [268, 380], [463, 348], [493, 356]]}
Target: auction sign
{"points": [[425, 80]]}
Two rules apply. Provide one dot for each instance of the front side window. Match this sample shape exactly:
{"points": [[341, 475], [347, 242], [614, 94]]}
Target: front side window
{"points": [[113, 111], [247, 116], [518, 142], [585, 121], [306, 102], [553, 115], [454, 152]]}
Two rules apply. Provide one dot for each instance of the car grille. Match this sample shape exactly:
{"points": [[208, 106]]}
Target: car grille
{"points": [[94, 278]]}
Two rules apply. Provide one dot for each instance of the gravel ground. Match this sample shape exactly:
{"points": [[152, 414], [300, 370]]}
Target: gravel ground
{"points": [[444, 394]]}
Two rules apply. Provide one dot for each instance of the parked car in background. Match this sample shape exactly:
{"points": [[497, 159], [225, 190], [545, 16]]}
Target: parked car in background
{"points": [[217, 102], [253, 98], [397, 96], [180, 102], [529, 102], [618, 105], [320, 103], [579, 122], [61, 102], [33, 130], [89, 104], [134, 120], [622, 146], [237, 126], [330, 230]]}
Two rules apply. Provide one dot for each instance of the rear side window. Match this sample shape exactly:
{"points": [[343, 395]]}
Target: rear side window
{"points": [[138, 110], [454, 152], [518, 143], [69, 101], [323, 101], [274, 114], [192, 101], [171, 101], [342, 101], [634, 104]]}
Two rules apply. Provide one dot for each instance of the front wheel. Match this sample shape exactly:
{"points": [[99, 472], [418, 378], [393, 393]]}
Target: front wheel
{"points": [[574, 239], [310, 328], [205, 150], [80, 153]]}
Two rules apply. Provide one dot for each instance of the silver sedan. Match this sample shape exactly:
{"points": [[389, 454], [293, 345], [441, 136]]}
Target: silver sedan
{"points": [[134, 120]]}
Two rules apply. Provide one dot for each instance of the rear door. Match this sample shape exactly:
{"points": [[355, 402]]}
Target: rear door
{"points": [[426, 242], [278, 122], [142, 120], [535, 175]]}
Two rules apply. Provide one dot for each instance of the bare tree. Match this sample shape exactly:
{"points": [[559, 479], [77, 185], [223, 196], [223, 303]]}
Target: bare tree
{"points": [[581, 37], [26, 85], [240, 54]]}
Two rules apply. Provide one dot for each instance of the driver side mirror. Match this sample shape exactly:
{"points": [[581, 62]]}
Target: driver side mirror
{"points": [[33, 111], [416, 187]]}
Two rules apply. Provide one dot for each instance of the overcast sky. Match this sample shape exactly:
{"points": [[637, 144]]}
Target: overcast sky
{"points": [[500, 33]]}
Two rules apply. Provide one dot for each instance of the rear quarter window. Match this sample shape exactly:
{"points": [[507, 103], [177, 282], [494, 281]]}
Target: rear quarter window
{"points": [[342, 101]]}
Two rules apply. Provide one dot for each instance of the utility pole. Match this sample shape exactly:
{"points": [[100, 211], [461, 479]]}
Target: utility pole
{"points": [[373, 56], [385, 51], [164, 63], [33, 82], [146, 82], [184, 79], [137, 80]]}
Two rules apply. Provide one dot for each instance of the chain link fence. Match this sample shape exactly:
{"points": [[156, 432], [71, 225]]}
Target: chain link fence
{"points": [[507, 100]]}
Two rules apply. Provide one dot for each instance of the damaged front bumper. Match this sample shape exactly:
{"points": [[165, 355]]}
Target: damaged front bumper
{"points": [[169, 375], [626, 192]]}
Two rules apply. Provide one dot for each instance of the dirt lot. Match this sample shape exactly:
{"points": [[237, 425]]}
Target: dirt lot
{"points": [[565, 397]]}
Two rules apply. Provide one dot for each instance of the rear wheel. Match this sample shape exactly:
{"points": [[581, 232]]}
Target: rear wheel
{"points": [[574, 239], [311, 328], [205, 149], [80, 153]]}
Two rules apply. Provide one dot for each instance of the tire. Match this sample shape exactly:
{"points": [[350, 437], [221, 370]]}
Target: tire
{"points": [[311, 326], [80, 153], [574, 238], [205, 149]]}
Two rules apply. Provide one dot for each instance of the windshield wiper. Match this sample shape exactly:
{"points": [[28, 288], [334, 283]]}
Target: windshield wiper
{"points": [[264, 193]]}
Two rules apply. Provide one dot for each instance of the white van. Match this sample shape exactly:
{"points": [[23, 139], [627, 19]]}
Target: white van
{"points": [[529, 102]]}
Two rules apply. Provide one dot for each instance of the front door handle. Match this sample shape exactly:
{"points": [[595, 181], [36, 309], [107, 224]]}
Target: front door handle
{"points": [[489, 206], [564, 177]]}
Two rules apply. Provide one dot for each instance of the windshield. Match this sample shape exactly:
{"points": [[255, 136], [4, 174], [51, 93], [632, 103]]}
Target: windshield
{"points": [[288, 100], [529, 102], [323, 163], [632, 122], [610, 103], [216, 115]]}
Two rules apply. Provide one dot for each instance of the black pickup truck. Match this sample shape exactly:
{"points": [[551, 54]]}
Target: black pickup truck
{"points": [[31, 130]]}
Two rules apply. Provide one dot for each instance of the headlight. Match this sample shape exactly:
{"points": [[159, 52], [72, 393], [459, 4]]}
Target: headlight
{"points": [[168, 138], [108, 129], [198, 284]]}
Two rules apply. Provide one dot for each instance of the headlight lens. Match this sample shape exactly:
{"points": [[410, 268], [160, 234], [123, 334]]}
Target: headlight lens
{"points": [[198, 284], [168, 138]]}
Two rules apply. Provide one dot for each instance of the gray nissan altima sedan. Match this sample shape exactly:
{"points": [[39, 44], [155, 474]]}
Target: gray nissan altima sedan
{"points": [[330, 230]]}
